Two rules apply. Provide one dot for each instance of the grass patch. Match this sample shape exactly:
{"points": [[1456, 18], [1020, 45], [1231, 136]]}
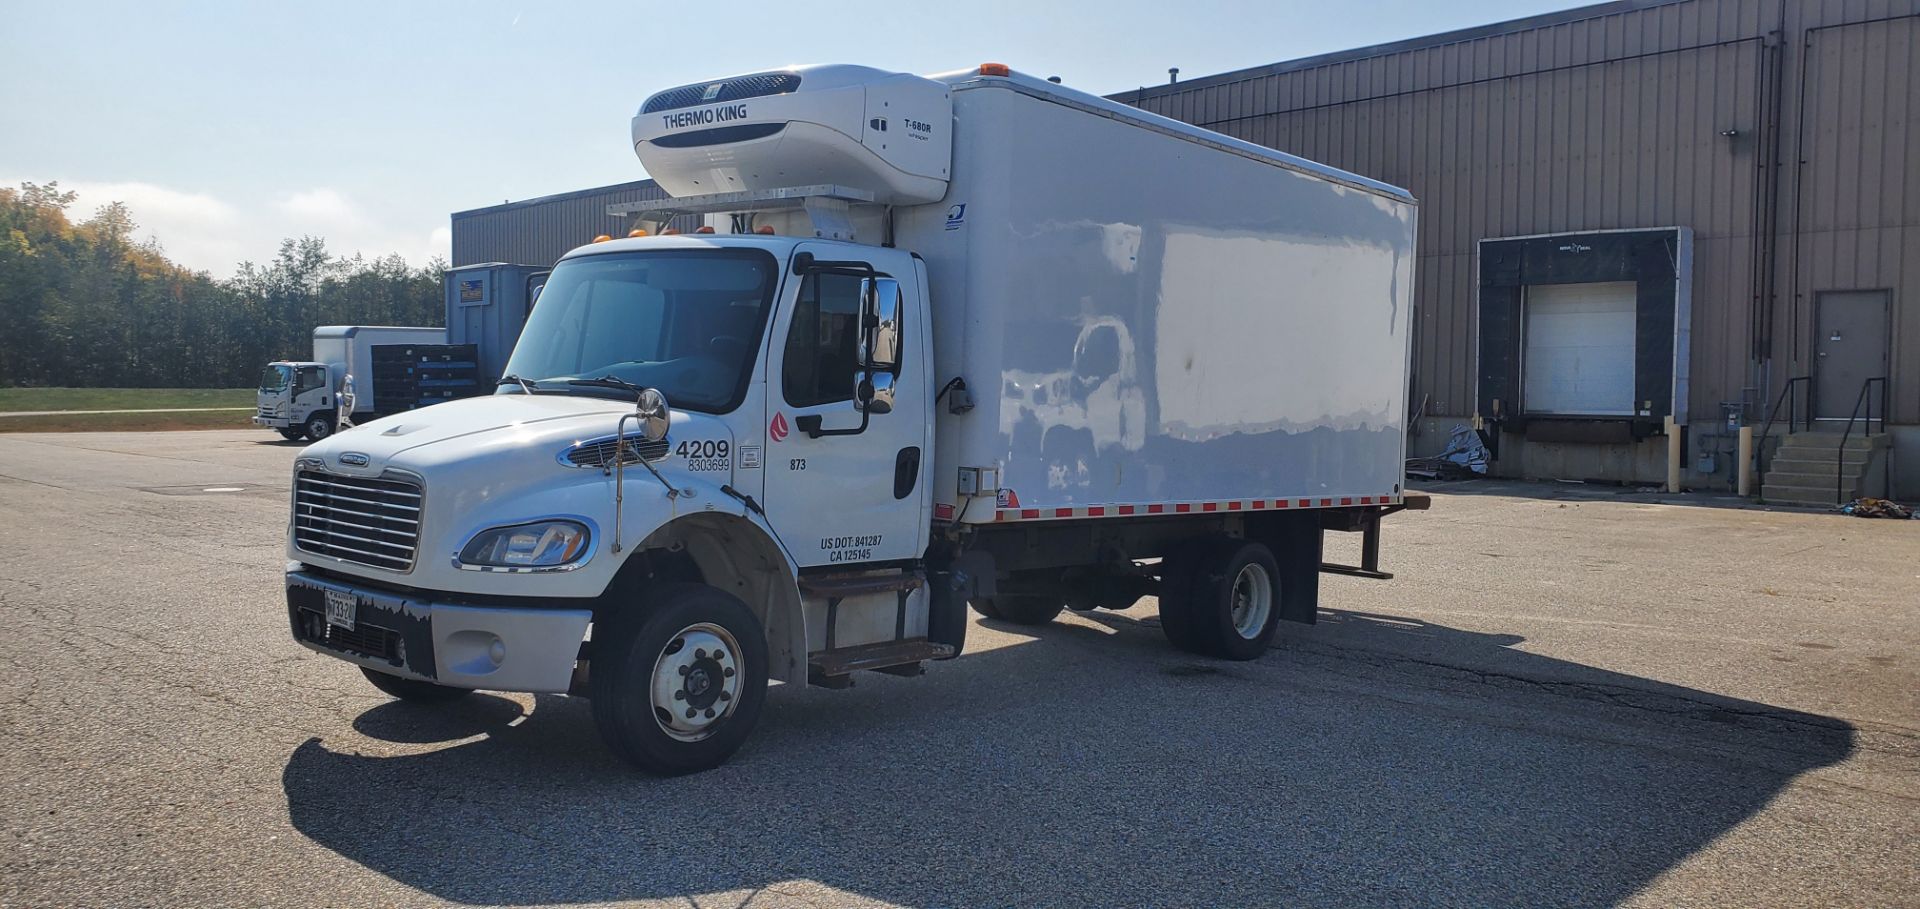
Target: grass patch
{"points": [[121, 398], [130, 422]]}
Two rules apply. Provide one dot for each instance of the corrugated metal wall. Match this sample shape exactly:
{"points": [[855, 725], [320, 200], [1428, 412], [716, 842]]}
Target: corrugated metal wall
{"points": [[539, 231], [1616, 116]]}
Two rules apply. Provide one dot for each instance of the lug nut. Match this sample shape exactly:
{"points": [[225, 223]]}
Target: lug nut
{"points": [[709, 713], [728, 672], [699, 654], [680, 695], [691, 712], [683, 670], [725, 696]]}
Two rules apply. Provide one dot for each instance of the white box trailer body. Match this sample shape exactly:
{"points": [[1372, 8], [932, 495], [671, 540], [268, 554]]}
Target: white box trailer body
{"points": [[349, 350], [971, 339], [1151, 317]]}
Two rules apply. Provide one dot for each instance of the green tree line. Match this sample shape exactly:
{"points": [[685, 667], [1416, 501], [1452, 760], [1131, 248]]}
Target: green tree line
{"points": [[84, 304]]}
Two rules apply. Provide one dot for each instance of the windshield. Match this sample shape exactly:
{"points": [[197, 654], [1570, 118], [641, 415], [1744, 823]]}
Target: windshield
{"points": [[684, 321], [275, 378]]}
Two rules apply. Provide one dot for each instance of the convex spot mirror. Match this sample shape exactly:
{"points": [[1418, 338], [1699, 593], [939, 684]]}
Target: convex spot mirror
{"points": [[653, 415]]}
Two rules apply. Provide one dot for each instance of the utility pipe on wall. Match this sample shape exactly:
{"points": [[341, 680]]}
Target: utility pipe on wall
{"points": [[1673, 455]]}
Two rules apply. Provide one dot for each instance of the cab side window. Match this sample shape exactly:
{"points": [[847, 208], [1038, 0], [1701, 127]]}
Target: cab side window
{"points": [[823, 342], [308, 379]]}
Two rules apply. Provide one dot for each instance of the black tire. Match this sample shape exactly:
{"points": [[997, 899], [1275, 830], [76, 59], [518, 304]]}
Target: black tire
{"points": [[292, 434], [413, 689], [1227, 573], [1020, 610], [660, 628], [318, 426]]}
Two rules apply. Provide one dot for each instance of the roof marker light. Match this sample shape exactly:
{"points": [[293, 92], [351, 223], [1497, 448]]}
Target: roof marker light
{"points": [[670, 232], [637, 232], [602, 238], [764, 229], [995, 69], [703, 229]]}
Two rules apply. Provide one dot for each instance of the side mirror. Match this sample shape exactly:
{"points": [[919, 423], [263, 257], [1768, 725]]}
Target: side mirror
{"points": [[881, 323], [879, 345]]}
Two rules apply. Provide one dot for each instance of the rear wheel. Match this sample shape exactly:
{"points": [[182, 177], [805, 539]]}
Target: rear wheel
{"points": [[413, 689], [678, 684], [1229, 607], [1020, 610]]}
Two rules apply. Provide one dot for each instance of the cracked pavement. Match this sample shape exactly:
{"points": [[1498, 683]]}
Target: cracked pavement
{"points": [[1568, 697]]}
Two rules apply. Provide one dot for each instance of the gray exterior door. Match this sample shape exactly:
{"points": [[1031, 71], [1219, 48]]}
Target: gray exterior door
{"points": [[1849, 347]]}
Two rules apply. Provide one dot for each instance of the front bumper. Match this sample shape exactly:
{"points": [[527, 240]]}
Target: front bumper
{"points": [[496, 648], [273, 422]]}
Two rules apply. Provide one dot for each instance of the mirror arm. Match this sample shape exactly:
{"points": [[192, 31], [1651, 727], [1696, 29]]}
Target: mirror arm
{"points": [[810, 424]]}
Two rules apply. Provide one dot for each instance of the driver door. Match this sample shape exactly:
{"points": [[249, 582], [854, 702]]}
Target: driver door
{"points": [[851, 496]]}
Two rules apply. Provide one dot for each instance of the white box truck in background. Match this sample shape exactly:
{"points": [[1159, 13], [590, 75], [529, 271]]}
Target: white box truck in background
{"points": [[309, 398], [967, 338]]}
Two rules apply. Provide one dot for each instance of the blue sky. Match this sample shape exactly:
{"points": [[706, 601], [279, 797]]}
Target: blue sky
{"points": [[227, 126]]}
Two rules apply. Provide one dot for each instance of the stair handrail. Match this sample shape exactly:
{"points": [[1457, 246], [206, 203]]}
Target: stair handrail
{"points": [[1786, 398], [1840, 457]]}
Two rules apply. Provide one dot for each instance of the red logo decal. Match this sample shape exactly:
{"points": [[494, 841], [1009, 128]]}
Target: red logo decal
{"points": [[777, 430]]}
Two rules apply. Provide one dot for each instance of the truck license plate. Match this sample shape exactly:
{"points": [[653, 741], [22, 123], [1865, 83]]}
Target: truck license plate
{"points": [[342, 609]]}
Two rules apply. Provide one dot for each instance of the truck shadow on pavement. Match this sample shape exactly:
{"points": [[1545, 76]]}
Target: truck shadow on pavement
{"points": [[1368, 760]]}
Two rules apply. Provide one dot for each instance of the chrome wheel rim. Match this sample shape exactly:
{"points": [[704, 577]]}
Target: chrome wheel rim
{"points": [[318, 429], [1252, 601], [696, 681]]}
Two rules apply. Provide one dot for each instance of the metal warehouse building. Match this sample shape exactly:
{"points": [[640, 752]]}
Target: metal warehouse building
{"points": [[1635, 211], [1565, 165], [540, 231]]}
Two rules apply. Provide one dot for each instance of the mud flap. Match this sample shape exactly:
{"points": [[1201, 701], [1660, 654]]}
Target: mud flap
{"points": [[1298, 544]]}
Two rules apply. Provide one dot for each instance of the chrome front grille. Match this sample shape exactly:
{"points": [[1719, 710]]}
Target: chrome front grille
{"points": [[366, 520], [599, 452]]}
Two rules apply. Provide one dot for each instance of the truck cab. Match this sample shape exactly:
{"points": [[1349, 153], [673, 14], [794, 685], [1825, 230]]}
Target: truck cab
{"points": [[297, 398]]}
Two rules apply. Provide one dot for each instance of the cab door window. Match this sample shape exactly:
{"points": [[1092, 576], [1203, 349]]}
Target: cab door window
{"points": [[308, 379], [822, 359]]}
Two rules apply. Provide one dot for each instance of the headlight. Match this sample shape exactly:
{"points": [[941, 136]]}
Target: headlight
{"points": [[542, 545]]}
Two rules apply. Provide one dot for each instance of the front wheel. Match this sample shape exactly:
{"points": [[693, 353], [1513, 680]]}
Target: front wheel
{"points": [[413, 689], [319, 426], [678, 683]]}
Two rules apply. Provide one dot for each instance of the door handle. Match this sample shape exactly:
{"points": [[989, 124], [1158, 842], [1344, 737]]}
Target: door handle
{"points": [[906, 471]]}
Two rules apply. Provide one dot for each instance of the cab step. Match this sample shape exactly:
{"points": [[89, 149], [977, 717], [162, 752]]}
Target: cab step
{"points": [[830, 668]]}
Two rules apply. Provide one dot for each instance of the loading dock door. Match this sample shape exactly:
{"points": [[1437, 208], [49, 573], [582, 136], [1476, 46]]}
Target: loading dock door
{"points": [[1578, 357]]}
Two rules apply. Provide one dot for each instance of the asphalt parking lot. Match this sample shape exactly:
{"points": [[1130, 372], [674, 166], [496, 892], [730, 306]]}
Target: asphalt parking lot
{"points": [[1566, 698]]}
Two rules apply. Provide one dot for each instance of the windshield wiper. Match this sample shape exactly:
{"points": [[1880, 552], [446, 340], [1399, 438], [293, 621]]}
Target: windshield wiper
{"points": [[609, 381], [526, 385]]}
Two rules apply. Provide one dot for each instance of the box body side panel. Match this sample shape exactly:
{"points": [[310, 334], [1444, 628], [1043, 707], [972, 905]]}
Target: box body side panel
{"points": [[1147, 320]]}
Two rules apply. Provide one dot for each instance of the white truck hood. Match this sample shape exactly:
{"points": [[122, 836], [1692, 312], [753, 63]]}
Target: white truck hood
{"points": [[491, 427]]}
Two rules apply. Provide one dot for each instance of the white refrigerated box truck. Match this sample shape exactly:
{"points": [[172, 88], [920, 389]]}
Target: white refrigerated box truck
{"points": [[307, 399], [972, 338]]}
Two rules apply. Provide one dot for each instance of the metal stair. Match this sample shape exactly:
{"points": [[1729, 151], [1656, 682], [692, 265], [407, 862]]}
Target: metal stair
{"points": [[1812, 468]]}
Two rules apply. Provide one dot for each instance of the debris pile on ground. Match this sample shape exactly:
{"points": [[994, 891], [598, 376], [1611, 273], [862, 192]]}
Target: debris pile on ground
{"points": [[1464, 458], [1878, 508]]}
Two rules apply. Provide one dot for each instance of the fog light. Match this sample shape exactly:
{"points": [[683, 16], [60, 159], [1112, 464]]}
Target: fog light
{"points": [[497, 651]]}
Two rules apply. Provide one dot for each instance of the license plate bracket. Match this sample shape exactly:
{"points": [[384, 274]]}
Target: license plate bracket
{"points": [[343, 609]]}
